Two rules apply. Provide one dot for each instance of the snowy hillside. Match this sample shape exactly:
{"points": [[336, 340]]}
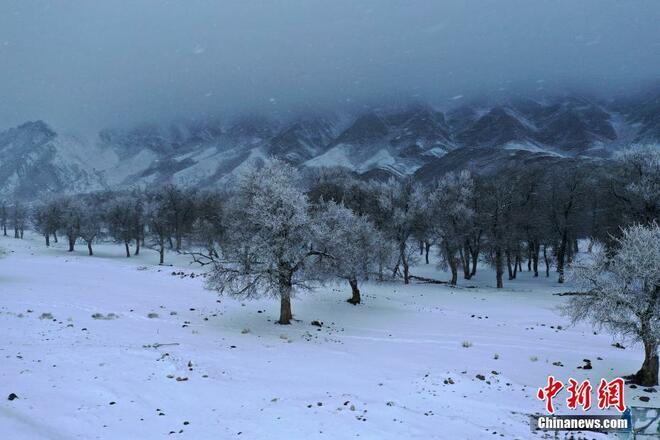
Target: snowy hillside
{"points": [[105, 347], [35, 159]]}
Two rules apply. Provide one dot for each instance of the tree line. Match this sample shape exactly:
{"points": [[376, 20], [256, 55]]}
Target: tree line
{"points": [[530, 217], [278, 230]]}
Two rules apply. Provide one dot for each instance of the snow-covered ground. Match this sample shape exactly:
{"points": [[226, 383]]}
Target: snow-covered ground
{"points": [[380, 370]]}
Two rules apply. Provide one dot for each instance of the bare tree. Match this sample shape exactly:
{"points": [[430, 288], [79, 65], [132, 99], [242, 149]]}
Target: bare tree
{"points": [[565, 200], [180, 212], [497, 199]]}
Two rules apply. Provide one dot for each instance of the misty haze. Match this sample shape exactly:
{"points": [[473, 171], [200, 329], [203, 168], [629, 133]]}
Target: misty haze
{"points": [[305, 219]]}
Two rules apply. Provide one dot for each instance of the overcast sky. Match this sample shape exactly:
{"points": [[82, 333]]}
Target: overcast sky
{"points": [[84, 65]]}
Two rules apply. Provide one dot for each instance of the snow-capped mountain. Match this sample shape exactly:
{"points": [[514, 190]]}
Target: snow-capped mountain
{"points": [[35, 159], [398, 143], [303, 140]]}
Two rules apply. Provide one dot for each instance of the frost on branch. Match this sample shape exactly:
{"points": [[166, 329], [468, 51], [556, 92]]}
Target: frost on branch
{"points": [[622, 293], [270, 250]]}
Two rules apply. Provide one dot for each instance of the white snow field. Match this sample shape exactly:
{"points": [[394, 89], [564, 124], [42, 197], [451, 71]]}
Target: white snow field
{"points": [[225, 370]]}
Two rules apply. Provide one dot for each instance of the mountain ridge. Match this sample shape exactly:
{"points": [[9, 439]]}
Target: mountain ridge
{"points": [[413, 140]]}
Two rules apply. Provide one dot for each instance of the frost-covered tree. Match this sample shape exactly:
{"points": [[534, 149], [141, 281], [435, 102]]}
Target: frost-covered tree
{"points": [[180, 212], [352, 241], [270, 250], [639, 187], [120, 218], [208, 228], [18, 219], [138, 219], [4, 217], [71, 220], [400, 203], [47, 219], [91, 222], [157, 222], [329, 184], [622, 293], [451, 216]]}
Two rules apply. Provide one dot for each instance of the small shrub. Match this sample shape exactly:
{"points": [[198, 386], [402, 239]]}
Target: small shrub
{"points": [[466, 344]]}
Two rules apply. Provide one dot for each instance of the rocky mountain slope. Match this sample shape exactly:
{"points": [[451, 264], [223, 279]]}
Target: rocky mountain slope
{"points": [[35, 159]]}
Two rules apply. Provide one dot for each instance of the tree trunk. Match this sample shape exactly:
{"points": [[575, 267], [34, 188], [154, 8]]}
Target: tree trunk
{"points": [[465, 261], [516, 266], [4, 230], [395, 270], [89, 247], [285, 301], [499, 268], [47, 239], [72, 243], [427, 248], [406, 273], [137, 246], [404, 263], [508, 265], [128, 251], [161, 252], [647, 376], [561, 255], [355, 299], [475, 258], [535, 259], [55, 236], [547, 263]]}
